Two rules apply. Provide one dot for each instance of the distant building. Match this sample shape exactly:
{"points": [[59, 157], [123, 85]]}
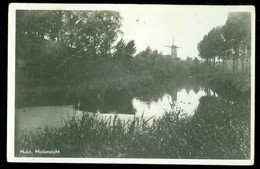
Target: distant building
{"points": [[173, 50]]}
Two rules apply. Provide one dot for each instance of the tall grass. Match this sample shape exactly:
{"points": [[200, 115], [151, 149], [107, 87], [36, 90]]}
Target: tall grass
{"points": [[216, 134]]}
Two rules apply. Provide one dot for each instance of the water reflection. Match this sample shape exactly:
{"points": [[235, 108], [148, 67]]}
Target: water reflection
{"points": [[154, 108], [150, 99], [187, 100], [109, 102], [123, 105], [148, 102]]}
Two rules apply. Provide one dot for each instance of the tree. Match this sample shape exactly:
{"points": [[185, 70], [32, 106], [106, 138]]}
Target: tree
{"points": [[119, 49], [203, 48], [196, 61], [95, 31], [237, 34], [124, 53], [38, 25], [144, 61], [130, 49], [195, 67], [37, 43], [86, 36], [212, 45], [92, 29]]}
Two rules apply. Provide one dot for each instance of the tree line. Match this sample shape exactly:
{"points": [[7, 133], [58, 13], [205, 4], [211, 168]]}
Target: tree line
{"points": [[231, 41], [79, 46], [59, 42]]}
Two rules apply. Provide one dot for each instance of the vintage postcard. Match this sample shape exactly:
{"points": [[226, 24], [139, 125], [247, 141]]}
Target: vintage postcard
{"points": [[131, 84]]}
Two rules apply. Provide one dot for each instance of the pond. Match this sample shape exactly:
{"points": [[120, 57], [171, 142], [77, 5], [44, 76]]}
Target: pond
{"points": [[152, 104]]}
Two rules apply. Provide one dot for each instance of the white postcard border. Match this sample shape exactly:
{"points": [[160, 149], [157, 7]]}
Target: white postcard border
{"points": [[11, 85]]}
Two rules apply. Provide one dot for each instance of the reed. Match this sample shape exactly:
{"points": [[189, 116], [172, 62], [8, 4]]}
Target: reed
{"points": [[218, 134]]}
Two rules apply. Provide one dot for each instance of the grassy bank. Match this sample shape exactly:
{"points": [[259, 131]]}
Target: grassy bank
{"points": [[69, 93], [218, 130]]}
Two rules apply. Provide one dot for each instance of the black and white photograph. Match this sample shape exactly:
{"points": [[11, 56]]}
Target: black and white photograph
{"points": [[137, 84]]}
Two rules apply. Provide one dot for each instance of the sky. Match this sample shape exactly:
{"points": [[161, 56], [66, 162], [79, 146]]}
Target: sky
{"points": [[157, 26]]}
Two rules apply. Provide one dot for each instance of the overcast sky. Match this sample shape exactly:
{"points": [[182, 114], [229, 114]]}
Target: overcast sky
{"points": [[156, 27]]}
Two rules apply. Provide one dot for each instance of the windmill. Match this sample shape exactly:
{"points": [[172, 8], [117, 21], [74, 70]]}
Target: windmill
{"points": [[173, 49]]}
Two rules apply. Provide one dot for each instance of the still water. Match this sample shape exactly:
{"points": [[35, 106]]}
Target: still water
{"points": [[36, 117]]}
